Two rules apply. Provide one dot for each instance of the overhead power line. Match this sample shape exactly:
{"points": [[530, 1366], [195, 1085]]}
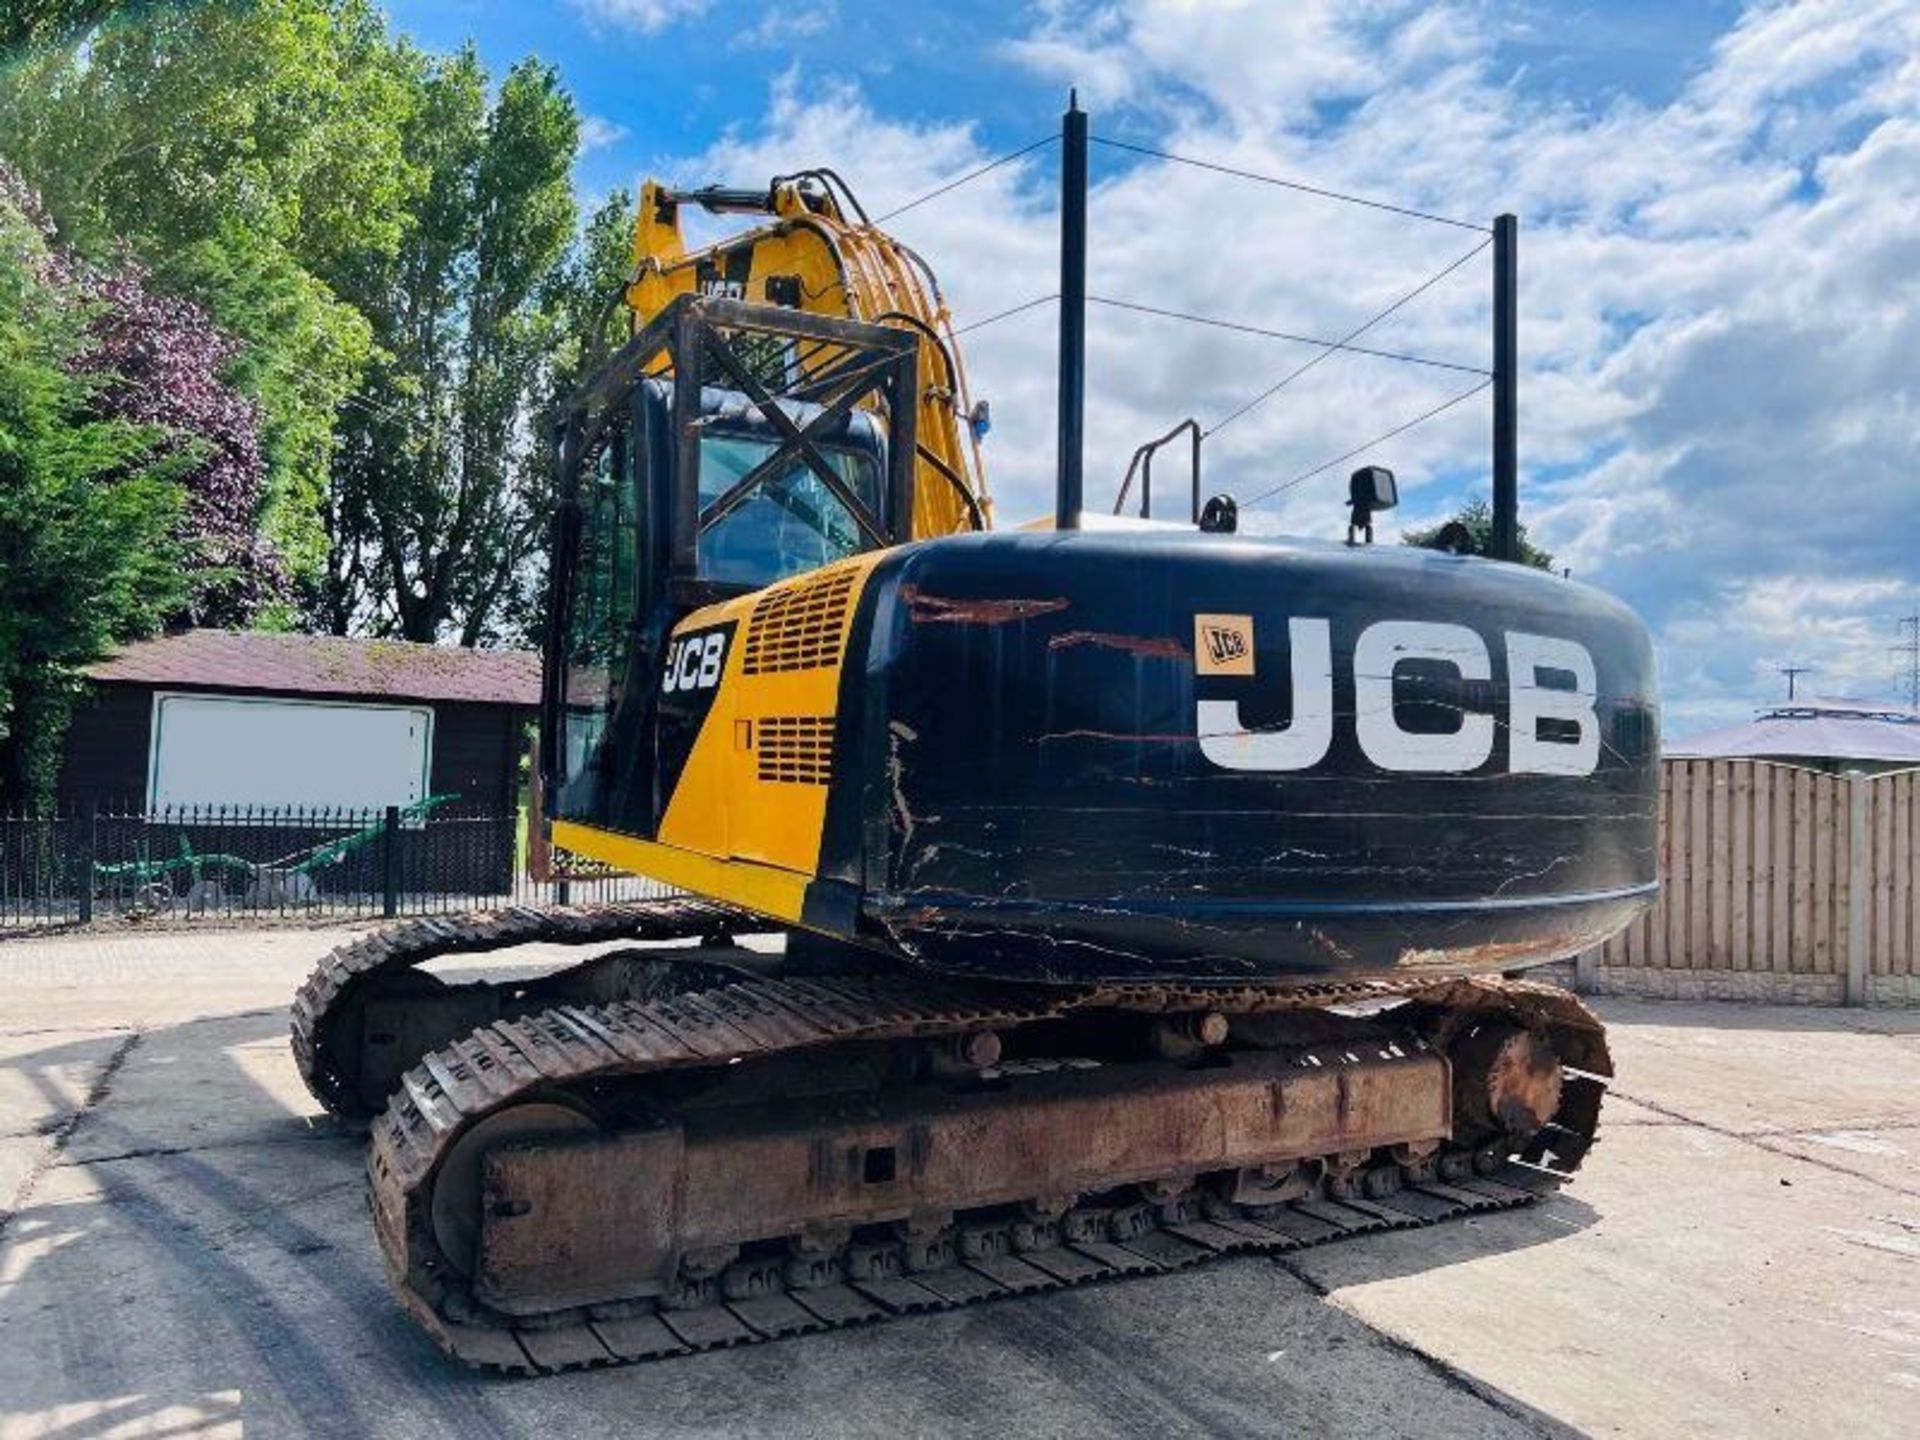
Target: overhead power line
{"points": [[1245, 329], [1321, 469], [1286, 184], [1346, 340], [971, 175], [1005, 314]]}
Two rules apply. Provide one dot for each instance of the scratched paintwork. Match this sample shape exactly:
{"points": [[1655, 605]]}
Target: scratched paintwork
{"points": [[1034, 771]]}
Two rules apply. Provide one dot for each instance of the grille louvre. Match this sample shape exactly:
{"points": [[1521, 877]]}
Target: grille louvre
{"points": [[797, 627], [795, 749]]}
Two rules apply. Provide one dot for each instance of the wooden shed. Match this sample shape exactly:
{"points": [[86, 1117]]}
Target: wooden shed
{"points": [[209, 718]]}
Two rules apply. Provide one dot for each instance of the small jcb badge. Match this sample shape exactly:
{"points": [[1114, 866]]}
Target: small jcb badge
{"points": [[1223, 645]]}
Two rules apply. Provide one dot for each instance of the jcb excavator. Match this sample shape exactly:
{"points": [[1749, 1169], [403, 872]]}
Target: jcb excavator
{"points": [[1149, 892]]}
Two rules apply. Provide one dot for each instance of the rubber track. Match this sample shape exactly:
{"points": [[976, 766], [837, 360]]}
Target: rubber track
{"points": [[566, 1045], [395, 948]]}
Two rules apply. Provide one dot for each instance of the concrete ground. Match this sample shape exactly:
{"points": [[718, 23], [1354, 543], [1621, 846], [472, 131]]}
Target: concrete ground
{"points": [[185, 1251]]}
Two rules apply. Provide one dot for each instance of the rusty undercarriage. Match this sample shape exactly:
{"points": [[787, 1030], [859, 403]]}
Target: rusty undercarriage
{"points": [[673, 1149]]}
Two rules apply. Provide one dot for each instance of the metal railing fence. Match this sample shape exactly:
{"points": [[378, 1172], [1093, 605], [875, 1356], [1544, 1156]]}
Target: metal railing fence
{"points": [[238, 864]]}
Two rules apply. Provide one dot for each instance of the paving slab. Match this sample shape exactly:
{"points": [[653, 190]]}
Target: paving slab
{"points": [[222, 1081], [1885, 1155], [154, 978], [1694, 1280], [46, 1075], [234, 1271], [191, 1256], [1752, 1068]]}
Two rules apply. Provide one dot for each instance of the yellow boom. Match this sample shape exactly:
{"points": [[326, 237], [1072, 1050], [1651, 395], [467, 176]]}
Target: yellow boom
{"points": [[813, 256]]}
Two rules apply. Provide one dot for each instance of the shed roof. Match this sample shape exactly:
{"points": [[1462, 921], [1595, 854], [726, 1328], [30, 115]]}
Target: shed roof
{"points": [[327, 665], [1813, 729]]}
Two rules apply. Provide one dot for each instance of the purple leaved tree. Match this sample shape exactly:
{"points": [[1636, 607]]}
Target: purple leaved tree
{"points": [[160, 358]]}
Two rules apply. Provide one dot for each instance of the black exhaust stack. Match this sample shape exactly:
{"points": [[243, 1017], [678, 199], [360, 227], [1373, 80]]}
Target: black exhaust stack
{"points": [[1073, 313], [1506, 347]]}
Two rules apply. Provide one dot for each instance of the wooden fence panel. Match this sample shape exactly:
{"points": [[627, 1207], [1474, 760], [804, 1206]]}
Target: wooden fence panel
{"points": [[1829, 832], [1740, 869], [1906, 877], [1879, 875], [1700, 860], [1719, 864], [1779, 781], [1800, 874], [1758, 873], [1895, 856], [1679, 811]]}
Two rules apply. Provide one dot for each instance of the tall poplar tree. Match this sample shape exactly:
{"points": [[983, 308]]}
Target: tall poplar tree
{"points": [[431, 516]]}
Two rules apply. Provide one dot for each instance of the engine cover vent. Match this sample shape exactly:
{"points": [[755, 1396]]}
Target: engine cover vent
{"points": [[795, 749], [797, 627]]}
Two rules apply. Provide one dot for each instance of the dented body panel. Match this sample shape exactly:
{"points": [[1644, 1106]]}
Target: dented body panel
{"points": [[1056, 801]]}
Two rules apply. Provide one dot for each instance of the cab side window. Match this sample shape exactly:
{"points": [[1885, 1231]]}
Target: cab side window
{"points": [[790, 522]]}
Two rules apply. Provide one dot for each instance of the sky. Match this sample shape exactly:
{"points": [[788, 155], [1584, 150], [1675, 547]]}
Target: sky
{"points": [[1719, 220]]}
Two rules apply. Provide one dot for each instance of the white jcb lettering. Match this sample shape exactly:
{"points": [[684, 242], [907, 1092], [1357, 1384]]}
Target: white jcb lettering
{"points": [[1380, 649], [689, 670], [1225, 739], [694, 662], [1529, 752], [1566, 711], [711, 650]]}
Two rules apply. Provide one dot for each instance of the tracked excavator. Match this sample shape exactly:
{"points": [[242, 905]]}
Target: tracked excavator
{"points": [[1147, 892]]}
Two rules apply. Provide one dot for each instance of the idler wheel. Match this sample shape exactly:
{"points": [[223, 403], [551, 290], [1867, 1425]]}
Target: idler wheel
{"points": [[361, 1060], [456, 1186], [1506, 1080]]}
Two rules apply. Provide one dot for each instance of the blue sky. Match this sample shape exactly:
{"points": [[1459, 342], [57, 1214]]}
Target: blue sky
{"points": [[671, 76], [1720, 262]]}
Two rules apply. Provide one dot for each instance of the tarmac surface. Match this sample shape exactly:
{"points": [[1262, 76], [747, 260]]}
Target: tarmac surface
{"points": [[184, 1251]]}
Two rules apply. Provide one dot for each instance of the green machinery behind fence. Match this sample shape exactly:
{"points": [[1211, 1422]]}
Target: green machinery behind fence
{"points": [[148, 882]]}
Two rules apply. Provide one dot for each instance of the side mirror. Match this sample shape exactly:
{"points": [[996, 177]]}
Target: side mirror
{"points": [[1372, 486], [1369, 488]]}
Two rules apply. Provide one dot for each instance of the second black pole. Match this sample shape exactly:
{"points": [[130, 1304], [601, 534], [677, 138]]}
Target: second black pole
{"points": [[1506, 398], [1073, 314]]}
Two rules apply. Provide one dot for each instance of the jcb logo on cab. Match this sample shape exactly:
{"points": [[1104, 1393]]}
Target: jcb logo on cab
{"points": [[694, 662]]}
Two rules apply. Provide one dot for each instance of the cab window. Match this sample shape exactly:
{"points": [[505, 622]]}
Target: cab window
{"points": [[606, 597], [790, 523]]}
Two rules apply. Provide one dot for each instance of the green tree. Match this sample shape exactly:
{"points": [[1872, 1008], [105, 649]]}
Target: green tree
{"points": [[251, 153], [27, 24], [1476, 518], [585, 295], [435, 511], [395, 251], [88, 508]]}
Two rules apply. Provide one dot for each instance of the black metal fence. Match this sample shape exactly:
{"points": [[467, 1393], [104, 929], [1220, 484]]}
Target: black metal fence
{"points": [[248, 864]]}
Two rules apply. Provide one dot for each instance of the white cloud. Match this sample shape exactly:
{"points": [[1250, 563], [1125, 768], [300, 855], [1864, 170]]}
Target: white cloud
{"points": [[597, 132], [649, 17], [1720, 294], [781, 25], [1723, 653]]}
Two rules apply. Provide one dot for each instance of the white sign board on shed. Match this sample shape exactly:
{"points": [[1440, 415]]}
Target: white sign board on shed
{"points": [[294, 754]]}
